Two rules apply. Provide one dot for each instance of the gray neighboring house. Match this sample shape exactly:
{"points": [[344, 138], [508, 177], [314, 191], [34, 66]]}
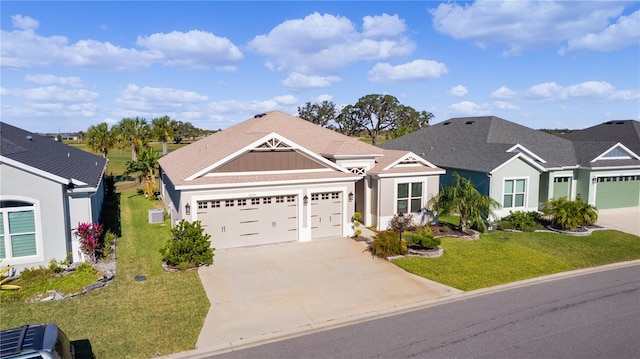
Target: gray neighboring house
{"points": [[46, 189], [521, 168], [277, 178]]}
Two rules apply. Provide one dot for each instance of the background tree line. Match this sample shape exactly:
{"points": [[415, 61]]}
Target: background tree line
{"points": [[135, 133], [373, 115]]}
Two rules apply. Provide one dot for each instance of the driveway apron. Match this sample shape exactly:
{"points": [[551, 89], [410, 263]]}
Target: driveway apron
{"points": [[277, 290], [623, 219]]}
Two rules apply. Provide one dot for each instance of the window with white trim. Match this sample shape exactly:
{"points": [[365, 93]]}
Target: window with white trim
{"points": [[409, 197], [17, 229], [515, 191]]}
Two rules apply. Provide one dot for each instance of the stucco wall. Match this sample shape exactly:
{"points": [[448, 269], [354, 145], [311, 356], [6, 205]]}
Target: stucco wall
{"points": [[516, 169], [53, 233], [388, 195]]}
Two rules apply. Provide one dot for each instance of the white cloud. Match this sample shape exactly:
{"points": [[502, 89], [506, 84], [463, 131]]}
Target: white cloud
{"points": [[24, 22], [523, 25], [626, 95], [48, 79], [300, 81], [326, 43], [414, 70], [157, 99], [587, 89], [52, 94], [24, 48], [625, 32], [502, 105], [193, 48], [383, 26], [246, 109], [49, 102], [468, 108], [503, 92], [458, 91]]}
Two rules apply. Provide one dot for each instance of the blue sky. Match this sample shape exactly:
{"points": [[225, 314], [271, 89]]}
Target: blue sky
{"points": [[543, 64]]}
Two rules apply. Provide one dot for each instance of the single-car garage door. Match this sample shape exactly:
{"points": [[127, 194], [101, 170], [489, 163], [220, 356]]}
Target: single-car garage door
{"points": [[240, 222], [326, 215], [617, 192]]}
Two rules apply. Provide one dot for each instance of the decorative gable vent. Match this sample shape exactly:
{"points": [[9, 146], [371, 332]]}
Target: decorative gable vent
{"points": [[273, 144]]}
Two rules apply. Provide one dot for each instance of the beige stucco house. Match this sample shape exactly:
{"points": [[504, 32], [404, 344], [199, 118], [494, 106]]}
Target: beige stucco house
{"points": [[277, 178]]}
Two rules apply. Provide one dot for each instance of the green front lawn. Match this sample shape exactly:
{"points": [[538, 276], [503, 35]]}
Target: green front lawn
{"points": [[128, 318], [504, 257]]}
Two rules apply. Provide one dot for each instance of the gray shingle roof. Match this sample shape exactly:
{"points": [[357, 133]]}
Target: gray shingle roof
{"points": [[481, 143], [626, 132], [50, 156]]}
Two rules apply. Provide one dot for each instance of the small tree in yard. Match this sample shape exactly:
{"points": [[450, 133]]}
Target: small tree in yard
{"points": [[387, 244], [465, 200], [188, 247]]}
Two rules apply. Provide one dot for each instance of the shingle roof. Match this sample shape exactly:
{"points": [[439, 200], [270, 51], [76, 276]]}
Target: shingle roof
{"points": [[50, 156], [626, 132], [481, 143], [191, 159]]}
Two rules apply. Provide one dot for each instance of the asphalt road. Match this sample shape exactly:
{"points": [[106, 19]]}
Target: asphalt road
{"points": [[594, 315]]}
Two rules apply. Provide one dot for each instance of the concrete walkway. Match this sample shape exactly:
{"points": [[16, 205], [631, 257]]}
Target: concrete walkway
{"points": [[624, 219], [275, 291]]}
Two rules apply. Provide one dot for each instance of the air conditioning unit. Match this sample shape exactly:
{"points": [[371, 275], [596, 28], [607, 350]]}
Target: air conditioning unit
{"points": [[156, 216]]}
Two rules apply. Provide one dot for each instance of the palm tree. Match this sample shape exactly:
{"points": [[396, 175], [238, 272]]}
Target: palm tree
{"points": [[162, 130], [147, 167], [568, 215], [465, 200], [100, 139], [133, 132]]}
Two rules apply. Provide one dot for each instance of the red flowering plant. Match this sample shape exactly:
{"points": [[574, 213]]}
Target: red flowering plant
{"points": [[89, 234]]}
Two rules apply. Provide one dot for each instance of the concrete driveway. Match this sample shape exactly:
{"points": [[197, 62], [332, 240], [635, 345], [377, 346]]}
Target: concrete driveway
{"points": [[271, 292], [624, 219]]}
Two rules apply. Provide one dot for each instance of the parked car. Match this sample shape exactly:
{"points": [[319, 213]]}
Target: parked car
{"points": [[42, 341]]}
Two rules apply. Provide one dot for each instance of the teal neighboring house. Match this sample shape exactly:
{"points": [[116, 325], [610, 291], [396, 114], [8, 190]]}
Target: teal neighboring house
{"points": [[522, 168]]}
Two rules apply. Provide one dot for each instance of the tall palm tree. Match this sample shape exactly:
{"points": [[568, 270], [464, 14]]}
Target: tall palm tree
{"points": [[465, 200], [162, 130], [134, 133], [100, 139]]}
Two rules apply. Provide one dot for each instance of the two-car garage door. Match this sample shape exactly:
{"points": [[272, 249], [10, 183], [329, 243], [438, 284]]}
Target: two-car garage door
{"points": [[617, 192], [240, 222]]}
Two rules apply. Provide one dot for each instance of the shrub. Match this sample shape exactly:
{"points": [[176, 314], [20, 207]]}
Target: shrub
{"points": [[57, 266], [89, 234], [108, 243], [522, 221], [188, 246], [356, 224], [424, 238], [387, 243], [568, 215]]}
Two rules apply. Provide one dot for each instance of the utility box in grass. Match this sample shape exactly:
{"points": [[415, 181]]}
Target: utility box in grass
{"points": [[156, 216]]}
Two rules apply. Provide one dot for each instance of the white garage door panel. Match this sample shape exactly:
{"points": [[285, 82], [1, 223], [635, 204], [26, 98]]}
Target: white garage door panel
{"points": [[326, 215], [250, 221]]}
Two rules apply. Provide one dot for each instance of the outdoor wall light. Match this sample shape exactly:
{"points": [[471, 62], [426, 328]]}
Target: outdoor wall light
{"points": [[305, 200], [350, 196], [187, 209], [594, 179]]}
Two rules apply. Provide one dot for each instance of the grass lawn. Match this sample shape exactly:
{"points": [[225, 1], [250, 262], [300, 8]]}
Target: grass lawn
{"points": [[504, 257], [128, 319]]}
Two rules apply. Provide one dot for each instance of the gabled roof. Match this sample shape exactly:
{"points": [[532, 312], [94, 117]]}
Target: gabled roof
{"points": [[37, 154], [189, 165], [484, 143], [626, 132]]}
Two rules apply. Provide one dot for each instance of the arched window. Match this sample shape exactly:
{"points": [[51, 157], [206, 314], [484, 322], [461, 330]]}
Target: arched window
{"points": [[17, 229]]}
